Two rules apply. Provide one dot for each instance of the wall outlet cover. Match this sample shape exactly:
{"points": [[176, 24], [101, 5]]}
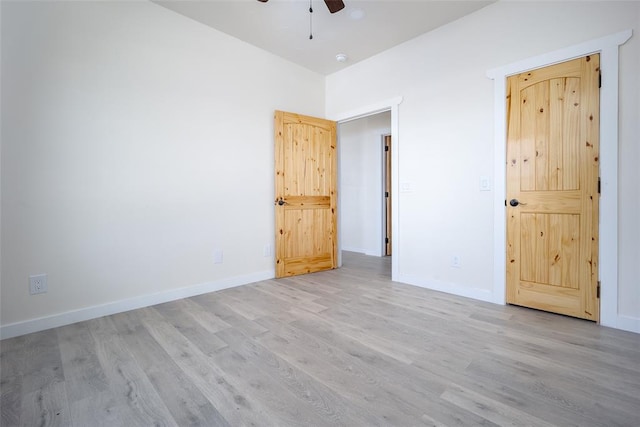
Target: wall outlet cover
{"points": [[456, 262], [485, 183], [38, 284]]}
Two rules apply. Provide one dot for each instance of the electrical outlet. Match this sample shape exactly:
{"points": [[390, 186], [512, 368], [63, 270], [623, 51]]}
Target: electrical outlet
{"points": [[267, 251], [38, 284], [456, 262], [217, 256]]}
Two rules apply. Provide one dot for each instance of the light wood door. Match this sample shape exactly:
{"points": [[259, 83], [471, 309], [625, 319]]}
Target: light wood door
{"points": [[552, 188], [306, 174], [387, 193]]}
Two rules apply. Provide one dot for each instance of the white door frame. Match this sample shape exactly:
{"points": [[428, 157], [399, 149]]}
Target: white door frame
{"points": [[608, 245], [392, 105]]}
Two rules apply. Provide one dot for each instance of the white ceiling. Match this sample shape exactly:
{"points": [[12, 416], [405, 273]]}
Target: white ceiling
{"points": [[282, 26]]}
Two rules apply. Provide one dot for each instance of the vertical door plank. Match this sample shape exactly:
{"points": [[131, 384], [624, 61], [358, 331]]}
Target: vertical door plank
{"points": [[541, 135], [571, 135]]}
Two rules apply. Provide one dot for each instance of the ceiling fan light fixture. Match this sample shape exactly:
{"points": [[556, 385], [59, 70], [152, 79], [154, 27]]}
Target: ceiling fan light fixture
{"points": [[341, 57]]}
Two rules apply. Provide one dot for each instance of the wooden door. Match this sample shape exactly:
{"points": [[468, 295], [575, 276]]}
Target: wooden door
{"points": [[306, 174], [552, 188], [387, 194]]}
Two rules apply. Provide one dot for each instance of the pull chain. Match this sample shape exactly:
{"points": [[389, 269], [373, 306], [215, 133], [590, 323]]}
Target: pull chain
{"points": [[310, 20]]}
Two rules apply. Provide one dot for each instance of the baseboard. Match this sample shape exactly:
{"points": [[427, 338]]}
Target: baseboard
{"points": [[352, 249], [93, 312], [373, 253], [625, 323], [361, 251], [628, 323], [447, 287]]}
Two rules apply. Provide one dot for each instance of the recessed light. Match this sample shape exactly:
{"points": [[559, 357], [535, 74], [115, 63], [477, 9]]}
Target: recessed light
{"points": [[341, 57], [356, 14]]}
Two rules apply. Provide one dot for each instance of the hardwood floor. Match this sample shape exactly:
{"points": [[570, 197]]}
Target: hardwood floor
{"points": [[344, 347]]}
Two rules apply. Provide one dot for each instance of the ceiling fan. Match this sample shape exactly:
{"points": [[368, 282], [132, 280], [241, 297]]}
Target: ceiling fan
{"points": [[333, 5]]}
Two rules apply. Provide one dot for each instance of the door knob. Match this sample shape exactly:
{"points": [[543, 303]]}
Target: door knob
{"points": [[281, 202], [515, 202]]}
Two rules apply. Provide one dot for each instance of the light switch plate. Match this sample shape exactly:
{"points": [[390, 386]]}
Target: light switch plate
{"points": [[485, 183], [406, 187]]}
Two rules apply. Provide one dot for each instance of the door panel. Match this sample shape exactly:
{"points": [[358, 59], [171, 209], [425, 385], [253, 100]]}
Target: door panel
{"points": [[388, 195], [552, 171], [306, 220]]}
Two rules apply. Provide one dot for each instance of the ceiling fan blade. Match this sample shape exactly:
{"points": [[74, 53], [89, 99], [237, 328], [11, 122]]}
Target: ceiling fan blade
{"points": [[333, 5]]}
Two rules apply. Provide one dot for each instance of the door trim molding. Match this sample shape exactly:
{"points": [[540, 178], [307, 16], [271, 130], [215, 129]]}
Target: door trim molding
{"points": [[392, 105], [608, 47]]}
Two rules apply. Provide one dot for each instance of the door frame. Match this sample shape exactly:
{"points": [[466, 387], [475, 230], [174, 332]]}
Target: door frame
{"points": [[392, 105], [608, 47]]}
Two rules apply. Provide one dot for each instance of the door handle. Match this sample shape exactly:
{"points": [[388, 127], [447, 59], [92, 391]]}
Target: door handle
{"points": [[516, 202], [281, 201]]}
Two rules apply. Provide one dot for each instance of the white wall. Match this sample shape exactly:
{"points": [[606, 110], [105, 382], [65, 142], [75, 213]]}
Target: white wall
{"points": [[361, 183], [446, 133], [629, 177], [135, 142]]}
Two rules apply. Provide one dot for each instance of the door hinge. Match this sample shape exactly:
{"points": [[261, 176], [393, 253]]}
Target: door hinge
{"points": [[386, 240], [599, 186], [598, 290], [386, 194], [386, 148], [600, 80]]}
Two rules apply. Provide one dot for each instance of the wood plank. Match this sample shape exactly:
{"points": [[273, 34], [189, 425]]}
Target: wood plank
{"points": [[490, 409], [283, 294], [34, 358], [128, 383], [11, 409], [541, 252], [307, 202], [346, 359], [541, 136], [83, 372], [556, 391], [215, 304], [314, 395], [571, 135], [185, 401], [350, 381], [176, 315], [47, 406], [589, 176]]}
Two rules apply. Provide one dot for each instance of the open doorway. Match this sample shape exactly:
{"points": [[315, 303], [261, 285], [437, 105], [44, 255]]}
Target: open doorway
{"points": [[364, 184]]}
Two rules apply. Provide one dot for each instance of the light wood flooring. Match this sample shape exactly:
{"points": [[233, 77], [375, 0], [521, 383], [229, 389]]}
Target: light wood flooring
{"points": [[344, 347]]}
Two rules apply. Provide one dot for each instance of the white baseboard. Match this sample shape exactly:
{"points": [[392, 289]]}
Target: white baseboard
{"points": [[628, 323], [352, 249], [625, 323], [447, 287], [361, 251], [373, 253], [93, 312]]}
